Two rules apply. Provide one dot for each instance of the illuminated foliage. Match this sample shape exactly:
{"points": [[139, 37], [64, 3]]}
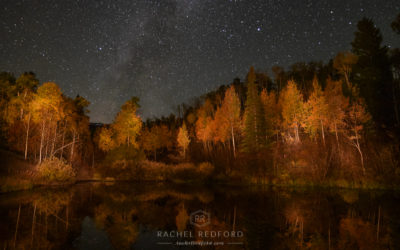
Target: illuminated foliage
{"points": [[47, 112], [292, 111], [127, 124], [337, 106], [204, 132], [106, 141], [357, 118], [155, 138], [183, 139], [229, 124], [316, 112]]}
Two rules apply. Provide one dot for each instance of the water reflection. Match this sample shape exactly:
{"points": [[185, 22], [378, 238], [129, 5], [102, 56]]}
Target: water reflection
{"points": [[150, 216]]}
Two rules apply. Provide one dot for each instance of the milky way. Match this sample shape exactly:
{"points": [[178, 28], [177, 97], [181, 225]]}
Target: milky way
{"points": [[167, 52]]}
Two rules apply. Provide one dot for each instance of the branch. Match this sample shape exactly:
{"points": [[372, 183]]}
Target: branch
{"points": [[66, 145]]}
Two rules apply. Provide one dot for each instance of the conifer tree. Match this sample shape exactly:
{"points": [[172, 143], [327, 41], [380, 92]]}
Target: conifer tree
{"points": [[271, 111], [254, 121], [372, 74]]}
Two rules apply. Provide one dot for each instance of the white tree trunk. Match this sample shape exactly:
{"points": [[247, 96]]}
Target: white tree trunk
{"points": [[322, 132], [72, 147], [27, 136], [41, 142]]}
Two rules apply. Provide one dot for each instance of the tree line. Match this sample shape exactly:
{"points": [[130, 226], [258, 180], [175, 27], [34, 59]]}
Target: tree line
{"points": [[339, 118]]}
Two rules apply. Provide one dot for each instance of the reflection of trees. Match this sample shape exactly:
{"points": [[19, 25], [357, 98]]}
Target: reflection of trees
{"points": [[305, 222], [362, 229], [182, 218], [115, 215], [41, 221], [222, 220], [52, 203], [325, 222], [269, 219], [203, 196], [356, 233], [51, 212], [295, 216]]}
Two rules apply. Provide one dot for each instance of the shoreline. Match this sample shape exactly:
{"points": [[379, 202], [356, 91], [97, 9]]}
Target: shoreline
{"points": [[308, 186]]}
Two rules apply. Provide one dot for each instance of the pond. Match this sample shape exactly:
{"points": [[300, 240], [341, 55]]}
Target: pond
{"points": [[161, 216]]}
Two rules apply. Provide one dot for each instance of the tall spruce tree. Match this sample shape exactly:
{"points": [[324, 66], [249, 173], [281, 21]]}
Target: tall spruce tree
{"points": [[395, 62], [372, 74], [254, 121]]}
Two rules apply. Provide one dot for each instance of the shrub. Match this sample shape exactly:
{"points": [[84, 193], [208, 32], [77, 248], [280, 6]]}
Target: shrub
{"points": [[55, 170], [122, 163], [155, 171], [205, 168], [183, 172]]}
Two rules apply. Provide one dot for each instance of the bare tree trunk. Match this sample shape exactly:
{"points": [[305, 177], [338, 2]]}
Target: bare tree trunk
{"points": [[336, 133], [54, 141], [48, 138], [347, 81], [322, 132], [358, 146], [297, 137], [72, 147], [27, 136], [63, 141], [233, 143], [41, 143]]}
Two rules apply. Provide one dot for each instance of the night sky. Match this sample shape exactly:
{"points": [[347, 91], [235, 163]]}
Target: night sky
{"points": [[167, 52]]}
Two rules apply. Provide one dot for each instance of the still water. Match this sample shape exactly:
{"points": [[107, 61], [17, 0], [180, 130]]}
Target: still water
{"points": [[159, 216]]}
